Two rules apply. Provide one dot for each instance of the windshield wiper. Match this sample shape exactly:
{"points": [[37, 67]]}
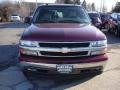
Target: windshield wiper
{"points": [[70, 21]]}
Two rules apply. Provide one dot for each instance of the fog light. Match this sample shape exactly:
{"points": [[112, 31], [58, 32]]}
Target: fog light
{"points": [[98, 52], [28, 52], [31, 53]]}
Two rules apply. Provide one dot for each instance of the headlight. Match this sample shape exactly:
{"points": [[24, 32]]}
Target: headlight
{"points": [[99, 43], [28, 43], [28, 52]]}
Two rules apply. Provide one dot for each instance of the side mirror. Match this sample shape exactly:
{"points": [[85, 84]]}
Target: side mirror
{"points": [[28, 20]]}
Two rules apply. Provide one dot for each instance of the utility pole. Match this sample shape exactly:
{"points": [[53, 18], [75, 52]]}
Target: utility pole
{"points": [[101, 5], [36, 3]]}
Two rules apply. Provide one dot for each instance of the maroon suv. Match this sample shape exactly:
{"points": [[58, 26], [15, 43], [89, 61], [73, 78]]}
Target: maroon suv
{"points": [[61, 40]]}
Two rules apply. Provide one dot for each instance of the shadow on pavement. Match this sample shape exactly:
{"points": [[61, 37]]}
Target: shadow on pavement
{"points": [[13, 25], [8, 55], [51, 82]]}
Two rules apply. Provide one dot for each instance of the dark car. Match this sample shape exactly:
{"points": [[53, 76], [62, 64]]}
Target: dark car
{"points": [[96, 19], [117, 30], [105, 20], [61, 40]]}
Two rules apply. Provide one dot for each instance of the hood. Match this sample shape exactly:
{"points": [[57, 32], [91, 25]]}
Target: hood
{"points": [[62, 32]]}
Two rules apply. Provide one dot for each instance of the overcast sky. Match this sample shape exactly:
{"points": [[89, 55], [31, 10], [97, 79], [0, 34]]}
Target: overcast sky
{"points": [[108, 3]]}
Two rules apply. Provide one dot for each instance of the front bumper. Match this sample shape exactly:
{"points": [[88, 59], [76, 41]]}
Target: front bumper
{"points": [[76, 66], [51, 68]]}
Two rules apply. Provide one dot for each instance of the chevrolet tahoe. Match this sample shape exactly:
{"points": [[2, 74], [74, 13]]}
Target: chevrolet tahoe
{"points": [[62, 40]]}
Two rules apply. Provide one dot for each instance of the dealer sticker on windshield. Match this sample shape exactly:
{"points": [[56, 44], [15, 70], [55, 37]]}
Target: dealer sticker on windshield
{"points": [[64, 68]]}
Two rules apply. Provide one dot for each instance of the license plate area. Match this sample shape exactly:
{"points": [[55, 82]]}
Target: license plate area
{"points": [[64, 68]]}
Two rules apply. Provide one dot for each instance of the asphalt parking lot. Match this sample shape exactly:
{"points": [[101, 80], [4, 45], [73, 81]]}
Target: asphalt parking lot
{"points": [[12, 78]]}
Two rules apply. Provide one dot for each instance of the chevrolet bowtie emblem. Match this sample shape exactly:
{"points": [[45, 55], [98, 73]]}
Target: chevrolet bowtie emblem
{"points": [[65, 50]]}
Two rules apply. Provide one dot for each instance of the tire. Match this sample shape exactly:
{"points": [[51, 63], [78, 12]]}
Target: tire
{"points": [[98, 71]]}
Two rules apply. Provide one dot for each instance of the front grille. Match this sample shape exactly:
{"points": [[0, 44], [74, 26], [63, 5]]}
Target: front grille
{"points": [[61, 45], [59, 54]]}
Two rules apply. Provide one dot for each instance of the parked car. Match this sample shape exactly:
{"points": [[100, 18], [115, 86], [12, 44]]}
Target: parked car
{"points": [[117, 30], [61, 40], [105, 20], [112, 24], [15, 18], [96, 19]]}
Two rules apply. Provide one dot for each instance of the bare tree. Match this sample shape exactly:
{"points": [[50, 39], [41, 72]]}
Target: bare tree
{"points": [[84, 4], [6, 9], [116, 8], [89, 8], [104, 9], [72, 2], [77, 2], [67, 1]]}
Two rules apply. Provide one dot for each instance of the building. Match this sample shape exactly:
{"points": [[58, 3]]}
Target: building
{"points": [[118, 4]]}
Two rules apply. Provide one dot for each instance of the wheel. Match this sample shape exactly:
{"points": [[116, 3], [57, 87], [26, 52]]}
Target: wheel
{"points": [[98, 71]]}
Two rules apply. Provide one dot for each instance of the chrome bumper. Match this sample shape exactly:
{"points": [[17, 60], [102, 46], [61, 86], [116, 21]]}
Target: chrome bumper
{"points": [[50, 66]]}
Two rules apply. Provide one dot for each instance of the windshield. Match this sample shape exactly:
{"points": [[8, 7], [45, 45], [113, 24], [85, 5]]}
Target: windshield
{"points": [[93, 15], [60, 14]]}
